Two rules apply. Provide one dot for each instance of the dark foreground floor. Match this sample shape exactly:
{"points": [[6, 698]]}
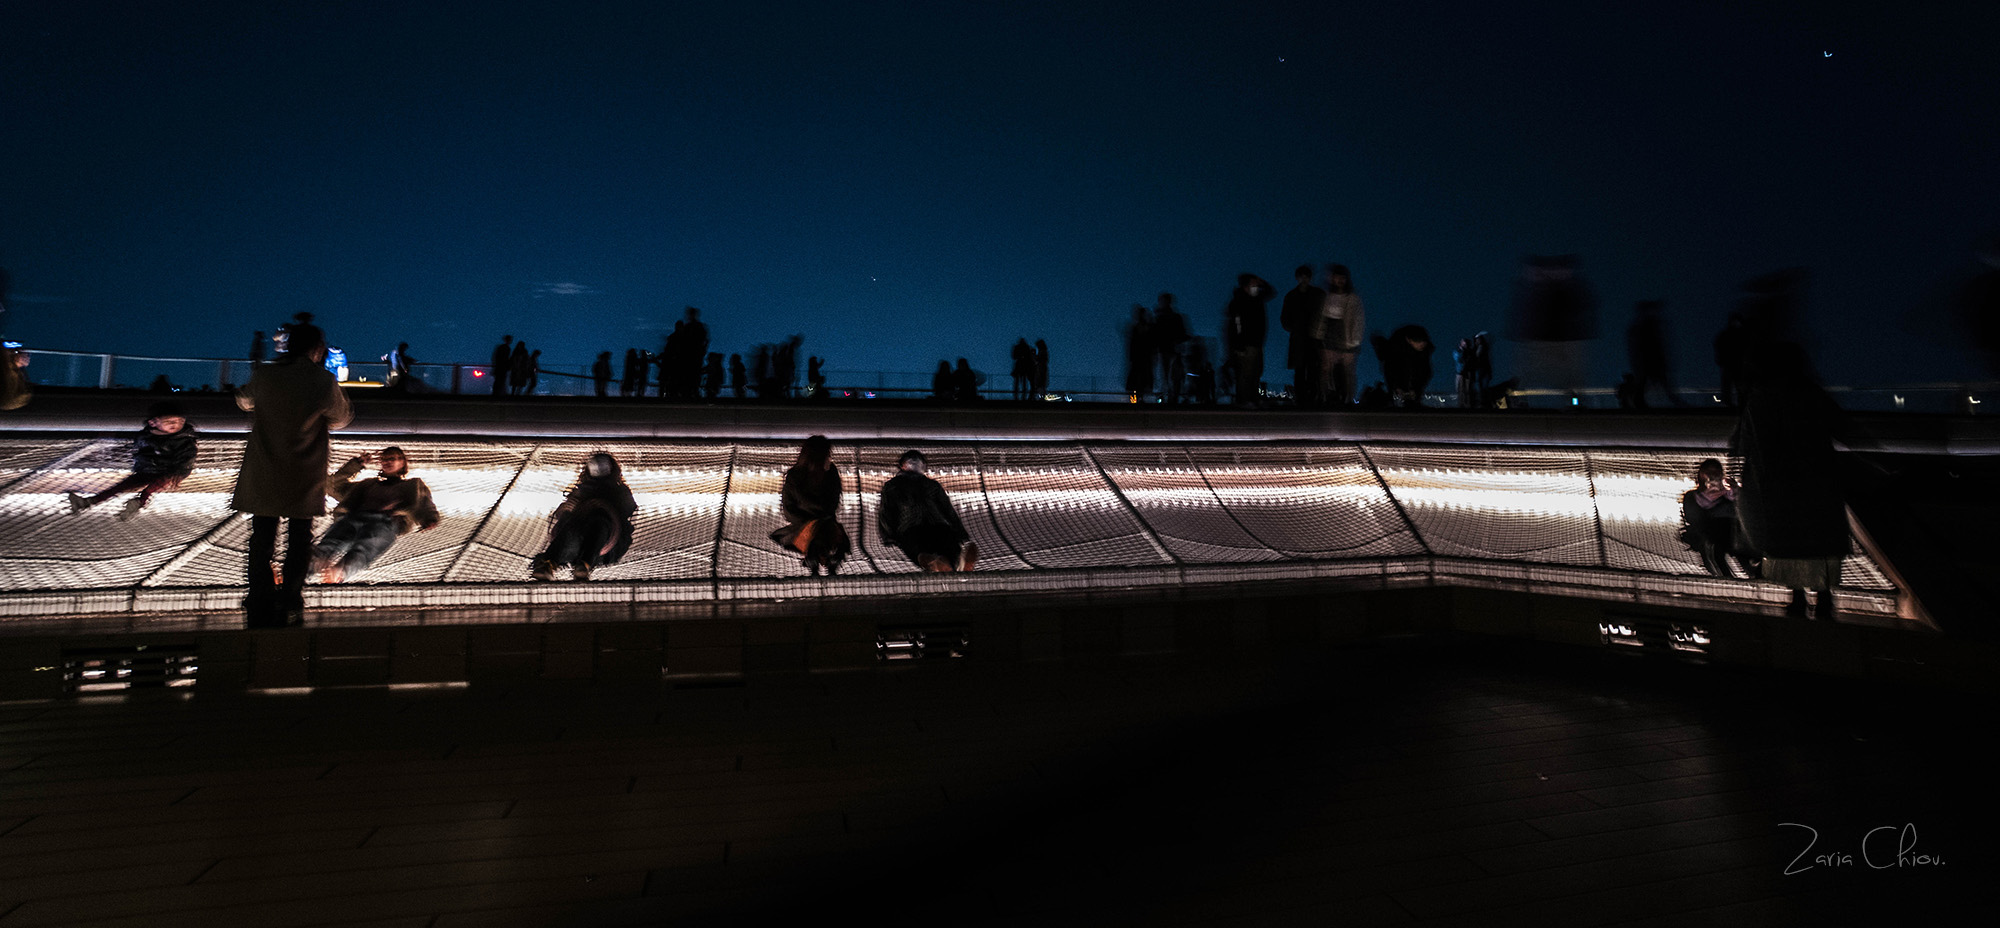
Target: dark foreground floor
{"points": [[1467, 782]]}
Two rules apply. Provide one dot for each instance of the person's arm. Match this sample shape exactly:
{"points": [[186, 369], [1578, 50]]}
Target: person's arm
{"points": [[426, 510], [950, 512], [338, 411], [342, 481], [888, 515]]}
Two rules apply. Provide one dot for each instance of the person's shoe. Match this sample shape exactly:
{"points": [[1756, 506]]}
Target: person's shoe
{"points": [[1797, 607], [543, 570], [332, 573], [931, 563], [132, 507], [580, 572], [1823, 610], [811, 566], [832, 567], [968, 556], [78, 502]]}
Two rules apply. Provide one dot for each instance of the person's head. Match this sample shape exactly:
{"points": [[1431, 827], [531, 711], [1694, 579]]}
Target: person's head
{"points": [[1303, 273], [912, 461], [304, 339], [964, 365], [1138, 313], [1247, 283], [602, 466], [166, 417], [1337, 279], [1648, 309], [392, 462], [944, 367], [402, 346], [504, 339], [1165, 302], [1710, 474], [694, 315], [816, 452]]}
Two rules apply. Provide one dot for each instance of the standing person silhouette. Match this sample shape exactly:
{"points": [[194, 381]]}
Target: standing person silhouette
{"points": [[500, 367], [1023, 369], [1243, 328], [293, 401]]}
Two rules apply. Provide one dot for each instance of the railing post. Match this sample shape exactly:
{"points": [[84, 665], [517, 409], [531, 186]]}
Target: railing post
{"points": [[456, 371], [104, 371], [222, 373]]}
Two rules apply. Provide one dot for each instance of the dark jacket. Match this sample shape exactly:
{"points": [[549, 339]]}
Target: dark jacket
{"points": [[1790, 504], [609, 495], [806, 498], [406, 498], [1243, 321], [293, 401], [1300, 315], [156, 455], [911, 500]]}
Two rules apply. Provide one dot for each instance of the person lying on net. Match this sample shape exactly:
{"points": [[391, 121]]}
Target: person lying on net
{"points": [[372, 513], [593, 526]]}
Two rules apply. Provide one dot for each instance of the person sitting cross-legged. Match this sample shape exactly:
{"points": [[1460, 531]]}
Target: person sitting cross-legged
{"points": [[372, 513]]}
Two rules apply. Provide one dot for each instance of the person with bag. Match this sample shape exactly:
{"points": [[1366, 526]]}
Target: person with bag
{"points": [[810, 501]]}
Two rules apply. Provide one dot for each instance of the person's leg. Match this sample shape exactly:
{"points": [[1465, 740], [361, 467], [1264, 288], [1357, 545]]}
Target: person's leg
{"points": [[372, 537], [298, 560], [79, 502], [257, 566], [338, 540]]}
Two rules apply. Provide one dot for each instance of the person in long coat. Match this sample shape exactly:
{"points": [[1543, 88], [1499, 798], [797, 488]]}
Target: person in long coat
{"points": [[810, 501], [293, 401], [1790, 505]]}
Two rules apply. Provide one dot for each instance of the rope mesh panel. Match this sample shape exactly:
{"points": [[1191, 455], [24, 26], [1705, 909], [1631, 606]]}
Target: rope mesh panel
{"points": [[1497, 504], [1515, 515], [1056, 510]]}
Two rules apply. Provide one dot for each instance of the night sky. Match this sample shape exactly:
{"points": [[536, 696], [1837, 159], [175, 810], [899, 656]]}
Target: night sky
{"points": [[902, 183]]}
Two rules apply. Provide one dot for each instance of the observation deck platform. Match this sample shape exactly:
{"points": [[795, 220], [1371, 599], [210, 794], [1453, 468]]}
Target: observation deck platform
{"points": [[1217, 669]]}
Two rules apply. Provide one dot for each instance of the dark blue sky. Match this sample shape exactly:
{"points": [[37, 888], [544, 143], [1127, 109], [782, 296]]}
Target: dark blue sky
{"points": [[906, 182]]}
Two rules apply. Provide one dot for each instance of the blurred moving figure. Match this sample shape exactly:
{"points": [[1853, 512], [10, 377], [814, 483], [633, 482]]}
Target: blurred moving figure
{"points": [[1343, 328], [162, 456], [593, 526], [1303, 315], [1243, 329], [1406, 364], [1474, 361], [1554, 319], [372, 513], [1023, 368], [1978, 305], [917, 517], [1041, 368], [501, 365], [1790, 504], [600, 374], [810, 501], [1646, 352], [1170, 334], [1139, 353], [1708, 516]]}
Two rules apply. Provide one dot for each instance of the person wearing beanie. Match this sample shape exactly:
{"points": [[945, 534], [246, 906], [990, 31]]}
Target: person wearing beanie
{"points": [[163, 455], [373, 513]]}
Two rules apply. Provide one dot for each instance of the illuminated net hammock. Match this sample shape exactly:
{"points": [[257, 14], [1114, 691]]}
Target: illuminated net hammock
{"points": [[1046, 515]]}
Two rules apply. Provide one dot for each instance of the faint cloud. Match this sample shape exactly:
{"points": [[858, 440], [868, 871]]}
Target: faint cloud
{"points": [[564, 288]]}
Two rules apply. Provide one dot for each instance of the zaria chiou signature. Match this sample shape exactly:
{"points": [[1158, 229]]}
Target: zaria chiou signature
{"points": [[1877, 852]]}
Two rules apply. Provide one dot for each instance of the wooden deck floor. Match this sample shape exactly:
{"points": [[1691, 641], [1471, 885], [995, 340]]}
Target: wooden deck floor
{"points": [[1462, 781]]}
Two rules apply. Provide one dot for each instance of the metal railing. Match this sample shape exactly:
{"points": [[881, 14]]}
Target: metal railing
{"points": [[82, 369]]}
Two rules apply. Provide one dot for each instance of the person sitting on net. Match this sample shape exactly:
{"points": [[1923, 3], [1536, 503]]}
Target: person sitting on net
{"points": [[810, 501], [917, 517], [163, 455], [372, 513], [593, 526], [1708, 516]]}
